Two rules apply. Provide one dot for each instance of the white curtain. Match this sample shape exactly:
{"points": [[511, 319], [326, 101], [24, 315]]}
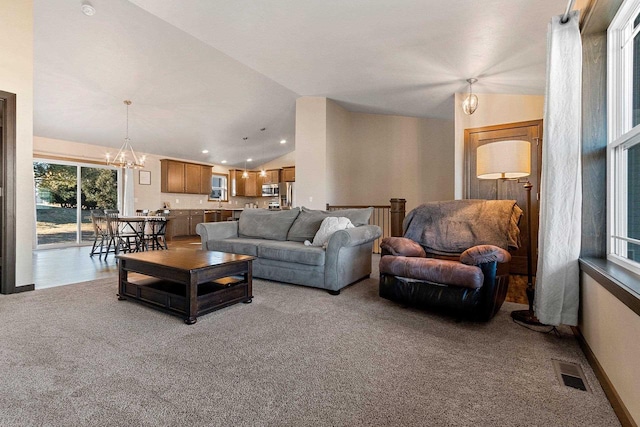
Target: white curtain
{"points": [[557, 291], [128, 199]]}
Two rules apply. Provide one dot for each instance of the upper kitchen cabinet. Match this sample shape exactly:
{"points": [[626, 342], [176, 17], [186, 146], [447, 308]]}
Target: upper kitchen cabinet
{"points": [[289, 174], [272, 177], [245, 187], [183, 177]]}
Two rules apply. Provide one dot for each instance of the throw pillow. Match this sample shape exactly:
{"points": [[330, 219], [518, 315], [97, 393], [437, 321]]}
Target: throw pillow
{"points": [[308, 222], [329, 226]]}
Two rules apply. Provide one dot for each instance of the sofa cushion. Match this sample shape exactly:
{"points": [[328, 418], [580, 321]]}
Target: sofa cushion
{"points": [[308, 222], [433, 270], [291, 252], [265, 224], [235, 245]]}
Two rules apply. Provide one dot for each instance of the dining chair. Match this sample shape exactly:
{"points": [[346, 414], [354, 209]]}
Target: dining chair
{"points": [[100, 232], [113, 229]]}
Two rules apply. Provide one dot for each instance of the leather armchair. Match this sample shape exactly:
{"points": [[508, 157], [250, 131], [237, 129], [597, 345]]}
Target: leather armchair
{"points": [[453, 257]]}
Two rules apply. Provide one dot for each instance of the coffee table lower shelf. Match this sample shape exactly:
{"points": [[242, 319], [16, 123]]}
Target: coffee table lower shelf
{"points": [[171, 297]]}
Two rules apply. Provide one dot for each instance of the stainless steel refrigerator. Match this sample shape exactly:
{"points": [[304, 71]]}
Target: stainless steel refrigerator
{"points": [[286, 192]]}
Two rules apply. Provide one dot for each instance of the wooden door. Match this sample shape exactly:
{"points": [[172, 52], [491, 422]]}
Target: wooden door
{"points": [[500, 189]]}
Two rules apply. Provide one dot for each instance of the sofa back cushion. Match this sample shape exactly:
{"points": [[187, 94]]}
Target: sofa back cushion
{"points": [[308, 222], [265, 224]]}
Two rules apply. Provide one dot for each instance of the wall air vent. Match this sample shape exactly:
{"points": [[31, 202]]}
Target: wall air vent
{"points": [[570, 374]]}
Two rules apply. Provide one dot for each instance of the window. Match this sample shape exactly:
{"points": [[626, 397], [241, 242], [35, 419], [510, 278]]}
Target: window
{"points": [[219, 188], [624, 136], [66, 193]]}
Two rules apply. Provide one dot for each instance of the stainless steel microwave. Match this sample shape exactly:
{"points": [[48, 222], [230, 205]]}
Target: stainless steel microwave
{"points": [[270, 190]]}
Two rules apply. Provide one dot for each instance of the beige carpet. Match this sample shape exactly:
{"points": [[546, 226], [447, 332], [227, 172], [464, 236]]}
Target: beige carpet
{"points": [[76, 356]]}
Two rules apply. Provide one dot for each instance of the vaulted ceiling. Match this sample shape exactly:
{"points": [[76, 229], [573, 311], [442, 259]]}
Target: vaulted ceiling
{"points": [[204, 74]]}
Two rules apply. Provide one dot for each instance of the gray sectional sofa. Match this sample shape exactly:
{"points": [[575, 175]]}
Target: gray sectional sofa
{"points": [[276, 239]]}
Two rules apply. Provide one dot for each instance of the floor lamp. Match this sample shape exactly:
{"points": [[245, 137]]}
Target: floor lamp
{"points": [[510, 160]]}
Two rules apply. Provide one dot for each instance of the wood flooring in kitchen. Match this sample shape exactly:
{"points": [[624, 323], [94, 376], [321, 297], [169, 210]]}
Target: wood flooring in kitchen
{"points": [[63, 266]]}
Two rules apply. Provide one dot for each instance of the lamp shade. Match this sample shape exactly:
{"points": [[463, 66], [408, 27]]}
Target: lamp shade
{"points": [[504, 159]]}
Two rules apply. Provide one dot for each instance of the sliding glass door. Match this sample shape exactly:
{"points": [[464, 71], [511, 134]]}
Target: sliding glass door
{"points": [[66, 193]]}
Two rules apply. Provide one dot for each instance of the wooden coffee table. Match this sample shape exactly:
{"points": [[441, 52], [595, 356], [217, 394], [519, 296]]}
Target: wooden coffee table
{"points": [[185, 282]]}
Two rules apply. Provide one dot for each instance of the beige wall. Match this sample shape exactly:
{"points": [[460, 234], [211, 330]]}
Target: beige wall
{"points": [[311, 152], [612, 331], [366, 159], [393, 156], [492, 110], [16, 76]]}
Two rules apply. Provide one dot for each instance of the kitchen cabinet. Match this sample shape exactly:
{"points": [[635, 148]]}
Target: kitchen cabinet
{"points": [[289, 174], [272, 177], [195, 218], [183, 177], [217, 215], [245, 187], [183, 222]]}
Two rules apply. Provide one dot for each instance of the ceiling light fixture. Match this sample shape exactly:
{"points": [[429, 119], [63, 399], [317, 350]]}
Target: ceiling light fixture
{"points": [[470, 103], [205, 151], [87, 9], [122, 159], [283, 141], [245, 174], [263, 173], [223, 162]]}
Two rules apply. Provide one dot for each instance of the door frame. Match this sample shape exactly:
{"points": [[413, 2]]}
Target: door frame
{"points": [[8, 195], [517, 261]]}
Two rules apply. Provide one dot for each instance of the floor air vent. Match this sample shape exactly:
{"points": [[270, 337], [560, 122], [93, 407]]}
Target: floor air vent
{"points": [[570, 374]]}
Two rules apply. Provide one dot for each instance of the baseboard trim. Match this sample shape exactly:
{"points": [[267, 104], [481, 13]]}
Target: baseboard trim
{"points": [[609, 390], [24, 288]]}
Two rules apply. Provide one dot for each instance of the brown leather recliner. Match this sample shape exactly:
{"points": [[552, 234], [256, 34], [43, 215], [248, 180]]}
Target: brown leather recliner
{"points": [[453, 257]]}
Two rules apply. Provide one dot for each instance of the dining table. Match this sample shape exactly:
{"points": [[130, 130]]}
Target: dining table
{"points": [[142, 229]]}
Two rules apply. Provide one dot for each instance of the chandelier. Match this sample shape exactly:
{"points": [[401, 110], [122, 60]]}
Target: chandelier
{"points": [[126, 157]]}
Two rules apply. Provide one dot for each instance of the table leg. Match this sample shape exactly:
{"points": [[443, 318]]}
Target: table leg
{"points": [[248, 277], [122, 278], [192, 298]]}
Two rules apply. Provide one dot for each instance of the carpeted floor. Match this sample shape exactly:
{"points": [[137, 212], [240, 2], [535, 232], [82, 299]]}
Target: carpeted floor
{"points": [[76, 356]]}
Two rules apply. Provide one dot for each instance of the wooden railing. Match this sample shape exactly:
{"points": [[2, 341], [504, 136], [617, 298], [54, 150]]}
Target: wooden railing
{"points": [[388, 217]]}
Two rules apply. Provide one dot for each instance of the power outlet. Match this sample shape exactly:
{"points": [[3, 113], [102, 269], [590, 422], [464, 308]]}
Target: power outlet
{"points": [[177, 201], [310, 199]]}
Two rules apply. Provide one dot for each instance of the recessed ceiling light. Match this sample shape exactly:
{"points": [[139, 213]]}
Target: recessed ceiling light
{"points": [[249, 160], [87, 9], [283, 141], [224, 161], [205, 151]]}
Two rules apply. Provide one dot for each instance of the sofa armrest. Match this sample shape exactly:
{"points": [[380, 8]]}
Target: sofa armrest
{"points": [[353, 237], [216, 231], [481, 254], [401, 246]]}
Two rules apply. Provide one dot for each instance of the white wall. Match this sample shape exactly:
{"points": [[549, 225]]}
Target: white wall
{"points": [[492, 110], [612, 331], [16, 76]]}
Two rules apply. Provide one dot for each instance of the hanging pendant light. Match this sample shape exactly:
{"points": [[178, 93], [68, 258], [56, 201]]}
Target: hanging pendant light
{"points": [[263, 173], [245, 174], [126, 157], [470, 103]]}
